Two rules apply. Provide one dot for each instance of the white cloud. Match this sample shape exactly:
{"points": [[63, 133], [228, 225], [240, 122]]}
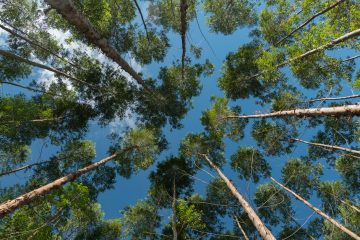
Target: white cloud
{"points": [[118, 125]]}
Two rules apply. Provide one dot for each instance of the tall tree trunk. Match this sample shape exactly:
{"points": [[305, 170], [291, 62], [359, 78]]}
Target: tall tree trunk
{"points": [[183, 8], [347, 110], [39, 65], [332, 147], [34, 43], [142, 19], [67, 9], [321, 48], [309, 20], [11, 205], [319, 212], [22, 168], [259, 225], [175, 235], [240, 227], [334, 98]]}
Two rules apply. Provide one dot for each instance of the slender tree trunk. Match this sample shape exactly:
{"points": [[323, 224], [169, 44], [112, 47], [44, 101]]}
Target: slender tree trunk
{"points": [[240, 227], [29, 88], [32, 120], [175, 235], [334, 42], [39, 65], [259, 225], [334, 98], [309, 20], [350, 205], [11, 205], [34, 43], [183, 8], [347, 110], [332, 147], [319, 212], [67, 9], [142, 19], [22, 168]]}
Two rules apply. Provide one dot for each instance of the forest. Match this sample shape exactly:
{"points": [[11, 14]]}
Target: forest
{"points": [[179, 119]]}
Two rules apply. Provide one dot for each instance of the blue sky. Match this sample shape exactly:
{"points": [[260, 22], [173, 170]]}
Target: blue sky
{"points": [[129, 191]]}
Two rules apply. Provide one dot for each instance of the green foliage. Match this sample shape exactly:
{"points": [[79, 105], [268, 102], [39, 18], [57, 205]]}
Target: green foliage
{"points": [[218, 125], [301, 177], [331, 194], [140, 148], [249, 163], [151, 47], [349, 167], [285, 100], [139, 221], [273, 204], [227, 16], [188, 216], [273, 138], [237, 70]]}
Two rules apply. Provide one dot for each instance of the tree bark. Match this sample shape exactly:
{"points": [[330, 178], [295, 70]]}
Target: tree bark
{"points": [[309, 20], [332, 147], [240, 227], [319, 212], [11, 205], [175, 235], [183, 8], [347, 110], [67, 9], [39, 65], [334, 98], [259, 225]]}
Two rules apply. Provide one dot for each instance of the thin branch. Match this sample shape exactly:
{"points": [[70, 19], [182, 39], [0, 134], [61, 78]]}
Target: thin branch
{"points": [[309, 20], [332, 147], [142, 19], [334, 98]]}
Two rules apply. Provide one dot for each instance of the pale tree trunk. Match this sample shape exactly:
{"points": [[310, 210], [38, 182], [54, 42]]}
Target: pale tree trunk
{"points": [[331, 147], [319, 212], [334, 98], [259, 225], [309, 20], [347, 110], [175, 235], [39, 65], [11, 205], [240, 227], [350, 205], [67, 9], [321, 48]]}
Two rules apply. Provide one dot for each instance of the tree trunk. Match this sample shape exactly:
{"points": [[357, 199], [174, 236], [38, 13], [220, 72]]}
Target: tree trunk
{"points": [[332, 147], [21, 168], [347, 110], [34, 43], [309, 20], [175, 236], [338, 40], [39, 65], [319, 212], [334, 98], [259, 225], [240, 227], [67, 9], [142, 19], [183, 8], [11, 205]]}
